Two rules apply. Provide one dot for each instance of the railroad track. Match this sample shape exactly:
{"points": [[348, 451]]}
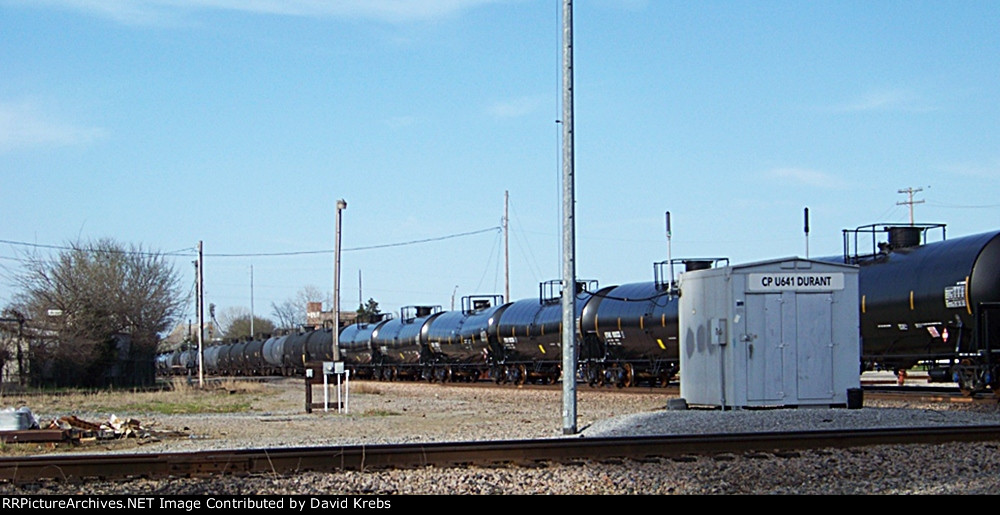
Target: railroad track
{"points": [[536, 452]]}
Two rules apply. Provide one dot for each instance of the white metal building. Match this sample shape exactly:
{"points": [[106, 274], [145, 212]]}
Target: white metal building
{"points": [[774, 333]]}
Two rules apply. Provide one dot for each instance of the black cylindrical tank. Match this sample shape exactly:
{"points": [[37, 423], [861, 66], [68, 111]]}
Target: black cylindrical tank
{"points": [[295, 352], [633, 322], [529, 330], [319, 345], [237, 359], [253, 358], [211, 355], [356, 342], [398, 340], [271, 351], [917, 303], [461, 336]]}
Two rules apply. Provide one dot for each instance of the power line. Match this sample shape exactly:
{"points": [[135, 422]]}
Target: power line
{"points": [[105, 251], [959, 206], [192, 251]]}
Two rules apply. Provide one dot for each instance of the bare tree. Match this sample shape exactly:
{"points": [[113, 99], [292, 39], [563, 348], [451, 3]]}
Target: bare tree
{"points": [[235, 324], [97, 310], [291, 313]]}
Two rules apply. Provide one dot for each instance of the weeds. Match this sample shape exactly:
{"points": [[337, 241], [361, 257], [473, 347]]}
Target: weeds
{"points": [[226, 396]]}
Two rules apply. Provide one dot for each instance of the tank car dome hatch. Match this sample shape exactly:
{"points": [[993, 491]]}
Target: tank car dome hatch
{"points": [[902, 237], [691, 265]]}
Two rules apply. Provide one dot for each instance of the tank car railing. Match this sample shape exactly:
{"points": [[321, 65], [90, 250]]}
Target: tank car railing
{"points": [[852, 254]]}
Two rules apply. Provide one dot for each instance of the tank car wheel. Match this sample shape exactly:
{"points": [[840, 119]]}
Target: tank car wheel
{"points": [[520, 374], [511, 374], [967, 377], [593, 375], [618, 376], [629, 376]]}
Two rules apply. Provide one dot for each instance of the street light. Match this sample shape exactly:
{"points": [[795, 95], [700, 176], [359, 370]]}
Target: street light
{"points": [[341, 205]]}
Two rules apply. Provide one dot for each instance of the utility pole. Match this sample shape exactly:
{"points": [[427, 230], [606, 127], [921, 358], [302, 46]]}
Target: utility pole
{"points": [[506, 249], [910, 201], [341, 205], [569, 236], [201, 316]]}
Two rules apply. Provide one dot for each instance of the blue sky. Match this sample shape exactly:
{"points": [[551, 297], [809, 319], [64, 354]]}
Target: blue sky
{"points": [[239, 124]]}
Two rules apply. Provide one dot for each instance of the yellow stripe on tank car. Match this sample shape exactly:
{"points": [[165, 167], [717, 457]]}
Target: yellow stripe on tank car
{"points": [[911, 300], [619, 323], [968, 305], [663, 320], [541, 348], [863, 303], [660, 342], [642, 325]]}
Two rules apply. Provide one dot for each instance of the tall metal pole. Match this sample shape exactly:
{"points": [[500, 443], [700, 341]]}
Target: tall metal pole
{"points": [[341, 205], [201, 316], [251, 302], [506, 249], [670, 253], [569, 243], [806, 228]]}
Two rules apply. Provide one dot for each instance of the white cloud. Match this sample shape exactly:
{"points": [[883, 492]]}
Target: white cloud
{"points": [[22, 126], [806, 177], [975, 170], [515, 107], [154, 11], [885, 100]]}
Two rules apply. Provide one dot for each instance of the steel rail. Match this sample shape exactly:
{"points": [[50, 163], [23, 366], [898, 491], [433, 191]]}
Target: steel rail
{"points": [[77, 467]]}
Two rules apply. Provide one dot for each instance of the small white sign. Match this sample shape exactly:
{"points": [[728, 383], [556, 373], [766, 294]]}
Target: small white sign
{"points": [[954, 296]]}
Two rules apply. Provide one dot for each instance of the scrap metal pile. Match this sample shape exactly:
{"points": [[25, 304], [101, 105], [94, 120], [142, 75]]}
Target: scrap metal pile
{"points": [[22, 426]]}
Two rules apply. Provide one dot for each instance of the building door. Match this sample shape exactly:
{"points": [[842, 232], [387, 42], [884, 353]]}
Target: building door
{"points": [[765, 348], [814, 345]]}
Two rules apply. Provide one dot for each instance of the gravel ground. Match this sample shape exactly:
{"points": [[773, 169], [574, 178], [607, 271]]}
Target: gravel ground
{"points": [[401, 412]]}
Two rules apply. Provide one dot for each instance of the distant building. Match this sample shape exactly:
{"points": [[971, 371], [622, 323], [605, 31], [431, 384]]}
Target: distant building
{"points": [[317, 318]]}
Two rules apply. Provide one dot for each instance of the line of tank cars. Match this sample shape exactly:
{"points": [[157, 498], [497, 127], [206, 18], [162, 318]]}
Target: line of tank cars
{"points": [[936, 304]]}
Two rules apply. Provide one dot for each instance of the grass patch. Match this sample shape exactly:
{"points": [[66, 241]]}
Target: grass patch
{"points": [[380, 413], [369, 388], [228, 396], [178, 407]]}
